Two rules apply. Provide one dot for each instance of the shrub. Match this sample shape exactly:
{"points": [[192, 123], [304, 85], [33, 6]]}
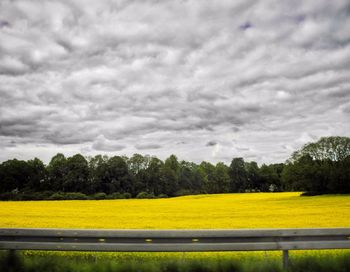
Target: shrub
{"points": [[116, 195], [143, 195], [43, 195], [162, 196], [27, 196], [8, 196], [75, 196], [99, 196], [68, 196], [127, 195], [57, 196]]}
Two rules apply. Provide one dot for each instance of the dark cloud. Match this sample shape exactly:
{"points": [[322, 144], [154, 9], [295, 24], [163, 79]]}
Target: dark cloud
{"points": [[4, 24], [245, 26], [211, 143], [261, 78], [299, 18]]}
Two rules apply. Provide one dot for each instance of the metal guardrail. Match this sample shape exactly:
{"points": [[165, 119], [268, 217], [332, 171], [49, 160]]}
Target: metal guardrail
{"points": [[175, 240]]}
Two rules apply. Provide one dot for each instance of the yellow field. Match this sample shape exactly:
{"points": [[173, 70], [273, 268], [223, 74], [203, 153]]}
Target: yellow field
{"points": [[251, 210]]}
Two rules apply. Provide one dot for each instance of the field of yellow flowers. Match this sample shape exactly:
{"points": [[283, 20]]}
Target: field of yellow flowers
{"points": [[249, 210]]}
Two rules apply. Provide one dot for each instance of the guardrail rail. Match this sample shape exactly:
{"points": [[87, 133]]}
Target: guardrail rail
{"points": [[175, 240]]}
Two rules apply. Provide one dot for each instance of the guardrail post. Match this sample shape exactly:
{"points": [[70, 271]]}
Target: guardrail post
{"points": [[285, 259]]}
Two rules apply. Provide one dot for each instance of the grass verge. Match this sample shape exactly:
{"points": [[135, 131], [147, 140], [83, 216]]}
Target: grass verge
{"points": [[27, 261]]}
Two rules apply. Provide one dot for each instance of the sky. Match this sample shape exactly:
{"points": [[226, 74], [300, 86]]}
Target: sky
{"points": [[202, 79]]}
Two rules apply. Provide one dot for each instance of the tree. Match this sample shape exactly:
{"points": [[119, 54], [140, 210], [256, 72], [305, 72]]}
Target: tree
{"points": [[270, 177], [208, 173], [77, 177], [341, 177], [222, 178], [137, 166], [238, 175], [301, 175], [173, 163], [138, 163], [253, 178], [14, 175], [97, 169], [117, 177], [38, 176], [154, 176], [57, 171], [170, 176], [190, 181], [320, 167], [327, 148]]}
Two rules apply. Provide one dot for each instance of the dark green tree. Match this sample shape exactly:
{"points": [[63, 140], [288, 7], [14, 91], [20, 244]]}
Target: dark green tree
{"points": [[14, 175], [209, 182], [253, 177], [270, 177], [222, 178], [238, 175], [97, 169], [137, 166], [154, 176], [170, 176], [117, 177], [57, 171], [38, 176], [190, 181], [77, 177], [319, 167]]}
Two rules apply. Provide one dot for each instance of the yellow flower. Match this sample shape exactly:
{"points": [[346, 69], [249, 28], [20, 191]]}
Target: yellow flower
{"points": [[229, 211]]}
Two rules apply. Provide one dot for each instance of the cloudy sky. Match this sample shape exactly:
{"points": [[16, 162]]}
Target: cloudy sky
{"points": [[203, 79]]}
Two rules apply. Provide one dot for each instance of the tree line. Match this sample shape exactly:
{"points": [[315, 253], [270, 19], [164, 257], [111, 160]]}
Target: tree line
{"points": [[321, 167]]}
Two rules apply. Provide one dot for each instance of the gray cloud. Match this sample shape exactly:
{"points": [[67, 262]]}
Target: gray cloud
{"points": [[148, 146], [102, 144], [12, 66], [211, 143], [261, 78], [4, 24]]}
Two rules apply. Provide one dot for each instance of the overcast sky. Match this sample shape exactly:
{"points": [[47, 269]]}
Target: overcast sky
{"points": [[205, 80]]}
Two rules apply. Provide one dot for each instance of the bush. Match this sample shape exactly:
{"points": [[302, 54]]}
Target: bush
{"points": [[116, 195], [28, 196], [68, 196], [99, 196], [143, 195], [127, 195], [43, 195], [75, 196], [162, 196], [57, 196], [8, 196]]}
